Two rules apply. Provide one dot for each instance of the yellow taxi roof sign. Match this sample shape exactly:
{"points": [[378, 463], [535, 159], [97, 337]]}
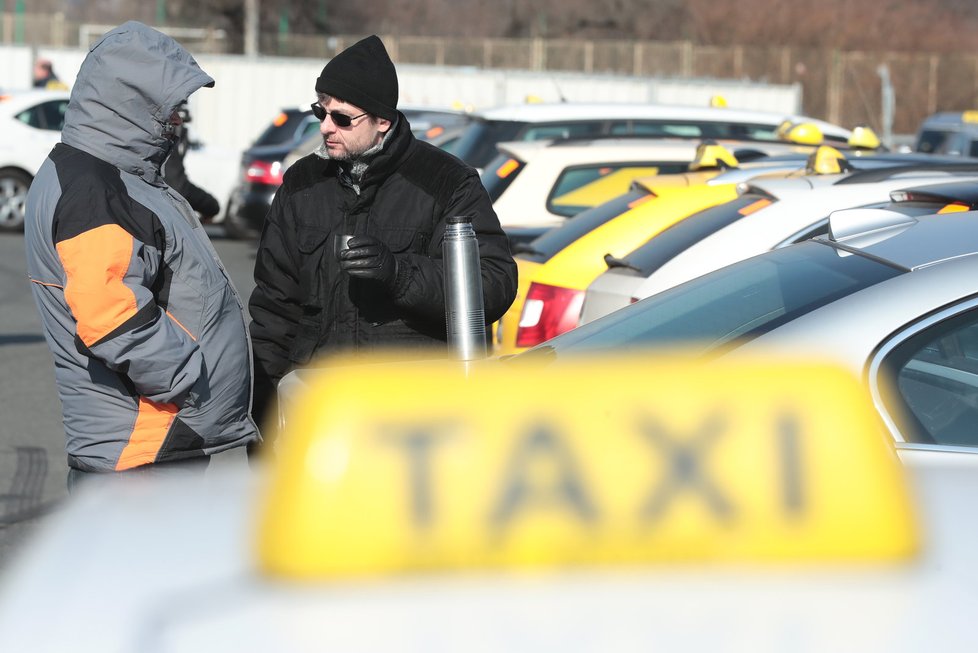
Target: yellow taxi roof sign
{"points": [[626, 459], [863, 137], [804, 133], [709, 154], [826, 160]]}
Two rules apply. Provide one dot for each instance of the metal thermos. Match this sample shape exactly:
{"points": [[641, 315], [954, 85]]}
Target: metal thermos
{"points": [[464, 313]]}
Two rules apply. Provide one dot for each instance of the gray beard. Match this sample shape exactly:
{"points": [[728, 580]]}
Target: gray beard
{"points": [[359, 161], [355, 164]]}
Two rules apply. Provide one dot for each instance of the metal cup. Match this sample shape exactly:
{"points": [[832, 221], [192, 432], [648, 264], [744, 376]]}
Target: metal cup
{"points": [[341, 243]]}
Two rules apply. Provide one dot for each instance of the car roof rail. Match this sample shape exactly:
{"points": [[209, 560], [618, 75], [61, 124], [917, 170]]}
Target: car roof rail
{"points": [[891, 172]]}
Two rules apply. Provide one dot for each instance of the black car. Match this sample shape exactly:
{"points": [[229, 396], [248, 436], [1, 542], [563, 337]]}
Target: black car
{"points": [[262, 169], [296, 132]]}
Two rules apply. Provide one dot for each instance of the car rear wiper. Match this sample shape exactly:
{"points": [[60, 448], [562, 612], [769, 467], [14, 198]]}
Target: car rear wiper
{"points": [[613, 262]]}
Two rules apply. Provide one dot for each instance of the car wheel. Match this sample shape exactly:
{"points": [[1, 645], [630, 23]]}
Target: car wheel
{"points": [[13, 195]]}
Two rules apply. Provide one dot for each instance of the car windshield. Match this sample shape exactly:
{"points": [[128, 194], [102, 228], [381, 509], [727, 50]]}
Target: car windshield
{"points": [[477, 143], [732, 305]]}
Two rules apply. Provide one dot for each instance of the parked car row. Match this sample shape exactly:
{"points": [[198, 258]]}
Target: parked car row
{"points": [[888, 289], [489, 139], [623, 250]]}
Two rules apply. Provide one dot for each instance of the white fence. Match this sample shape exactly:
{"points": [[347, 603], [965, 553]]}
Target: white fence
{"points": [[250, 91]]}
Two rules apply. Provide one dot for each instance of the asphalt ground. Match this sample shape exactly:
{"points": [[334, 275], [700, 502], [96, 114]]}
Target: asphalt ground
{"points": [[33, 469]]}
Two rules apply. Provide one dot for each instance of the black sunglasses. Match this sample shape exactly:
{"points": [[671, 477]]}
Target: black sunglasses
{"points": [[339, 119]]}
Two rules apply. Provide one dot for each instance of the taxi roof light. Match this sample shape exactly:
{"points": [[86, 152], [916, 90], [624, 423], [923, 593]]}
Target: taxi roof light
{"points": [[804, 133], [826, 160], [863, 137], [710, 155], [621, 459]]}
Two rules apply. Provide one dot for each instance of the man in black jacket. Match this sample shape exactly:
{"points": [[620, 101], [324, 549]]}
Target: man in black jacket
{"points": [[175, 174], [373, 180]]}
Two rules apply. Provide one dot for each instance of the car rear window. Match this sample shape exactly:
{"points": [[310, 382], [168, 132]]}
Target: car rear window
{"points": [[734, 304], [554, 240], [684, 234], [47, 115], [934, 141], [571, 195], [287, 126]]}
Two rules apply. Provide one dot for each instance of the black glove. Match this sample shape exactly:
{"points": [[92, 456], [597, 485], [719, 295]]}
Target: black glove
{"points": [[368, 258]]}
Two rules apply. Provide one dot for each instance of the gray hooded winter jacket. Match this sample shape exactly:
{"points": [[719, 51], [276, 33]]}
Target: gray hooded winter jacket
{"points": [[152, 356]]}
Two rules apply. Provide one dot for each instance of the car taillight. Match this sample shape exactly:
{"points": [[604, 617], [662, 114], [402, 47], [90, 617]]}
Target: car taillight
{"points": [[548, 312], [264, 172]]}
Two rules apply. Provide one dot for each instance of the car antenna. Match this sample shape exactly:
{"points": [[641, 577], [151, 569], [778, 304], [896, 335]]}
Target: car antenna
{"points": [[560, 94]]}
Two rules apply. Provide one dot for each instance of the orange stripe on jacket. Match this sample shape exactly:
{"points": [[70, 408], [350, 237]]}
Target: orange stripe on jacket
{"points": [[95, 264], [177, 322], [148, 433]]}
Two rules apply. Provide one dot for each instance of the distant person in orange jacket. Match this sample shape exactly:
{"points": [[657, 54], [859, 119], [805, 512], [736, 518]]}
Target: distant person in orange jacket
{"points": [[45, 78]]}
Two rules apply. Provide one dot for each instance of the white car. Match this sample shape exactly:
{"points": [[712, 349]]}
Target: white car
{"points": [[32, 122], [436, 523], [547, 121], [529, 181], [767, 215], [536, 185]]}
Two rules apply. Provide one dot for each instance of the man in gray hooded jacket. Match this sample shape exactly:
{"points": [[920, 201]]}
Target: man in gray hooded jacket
{"points": [[152, 356]]}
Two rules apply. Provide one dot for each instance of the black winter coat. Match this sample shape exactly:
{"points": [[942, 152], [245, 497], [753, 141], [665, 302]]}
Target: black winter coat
{"points": [[175, 175], [303, 304]]}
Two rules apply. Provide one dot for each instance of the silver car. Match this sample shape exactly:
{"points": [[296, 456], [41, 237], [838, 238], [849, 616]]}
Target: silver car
{"points": [[768, 214], [892, 296]]}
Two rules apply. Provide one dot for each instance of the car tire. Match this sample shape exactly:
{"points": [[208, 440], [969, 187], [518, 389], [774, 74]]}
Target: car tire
{"points": [[13, 195]]}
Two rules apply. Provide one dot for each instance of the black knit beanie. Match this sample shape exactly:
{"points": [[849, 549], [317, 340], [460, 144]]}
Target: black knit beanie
{"points": [[362, 75]]}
